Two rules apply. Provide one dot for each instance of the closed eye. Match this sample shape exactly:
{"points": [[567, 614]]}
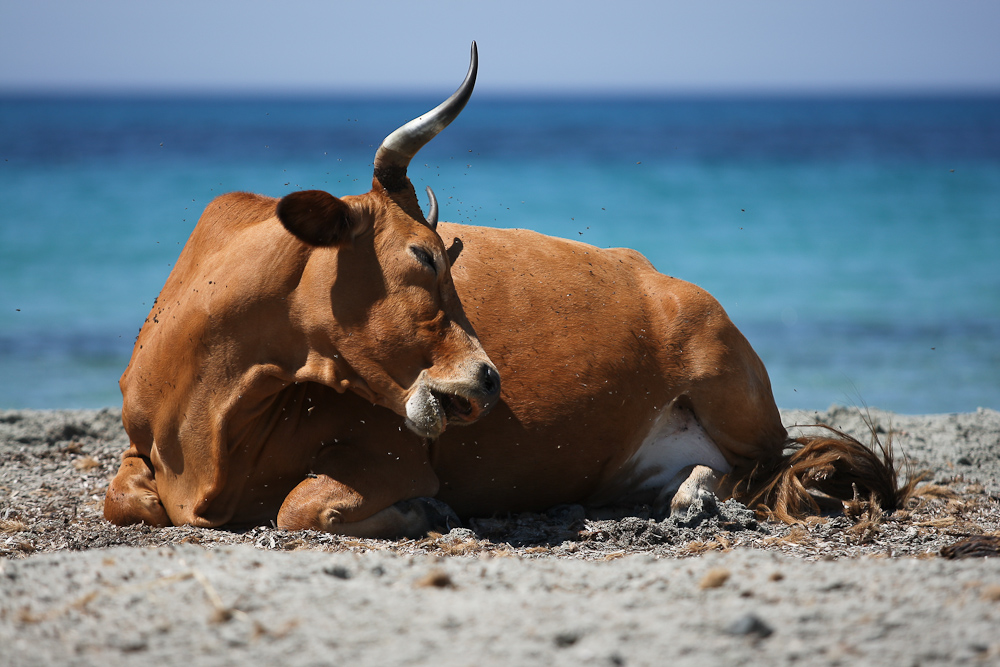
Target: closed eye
{"points": [[424, 258]]}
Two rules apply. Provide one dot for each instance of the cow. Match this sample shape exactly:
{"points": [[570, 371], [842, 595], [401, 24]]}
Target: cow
{"points": [[621, 385]]}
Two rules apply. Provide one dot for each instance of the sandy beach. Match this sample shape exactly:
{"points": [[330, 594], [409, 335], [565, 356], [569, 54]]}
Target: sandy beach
{"points": [[717, 586]]}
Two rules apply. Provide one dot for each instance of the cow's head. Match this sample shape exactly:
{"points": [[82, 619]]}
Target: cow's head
{"points": [[383, 304]]}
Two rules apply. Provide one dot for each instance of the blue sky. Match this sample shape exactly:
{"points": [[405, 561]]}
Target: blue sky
{"points": [[536, 46]]}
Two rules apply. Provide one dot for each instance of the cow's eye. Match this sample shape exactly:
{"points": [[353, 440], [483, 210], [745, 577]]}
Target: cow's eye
{"points": [[424, 258]]}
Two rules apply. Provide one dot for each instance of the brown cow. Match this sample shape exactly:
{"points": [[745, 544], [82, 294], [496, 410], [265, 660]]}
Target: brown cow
{"points": [[621, 385]]}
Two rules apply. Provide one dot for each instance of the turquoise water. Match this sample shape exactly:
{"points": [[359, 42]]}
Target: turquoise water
{"points": [[854, 241]]}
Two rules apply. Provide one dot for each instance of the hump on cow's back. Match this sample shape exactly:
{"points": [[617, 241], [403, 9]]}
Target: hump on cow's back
{"points": [[239, 209]]}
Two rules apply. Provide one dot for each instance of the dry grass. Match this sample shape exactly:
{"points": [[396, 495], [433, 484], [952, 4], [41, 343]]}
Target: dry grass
{"points": [[9, 526], [797, 534], [86, 463]]}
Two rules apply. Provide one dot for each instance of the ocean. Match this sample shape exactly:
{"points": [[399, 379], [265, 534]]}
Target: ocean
{"points": [[855, 241]]}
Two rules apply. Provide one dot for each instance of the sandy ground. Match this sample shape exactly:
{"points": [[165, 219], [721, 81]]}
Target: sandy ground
{"points": [[714, 587]]}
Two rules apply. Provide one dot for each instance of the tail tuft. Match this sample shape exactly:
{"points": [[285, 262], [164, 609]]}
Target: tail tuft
{"points": [[835, 465]]}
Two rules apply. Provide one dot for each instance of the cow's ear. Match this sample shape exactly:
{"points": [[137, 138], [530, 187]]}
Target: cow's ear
{"points": [[317, 218]]}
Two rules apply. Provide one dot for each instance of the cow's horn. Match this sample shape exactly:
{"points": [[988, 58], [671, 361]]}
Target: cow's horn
{"points": [[396, 151], [432, 214]]}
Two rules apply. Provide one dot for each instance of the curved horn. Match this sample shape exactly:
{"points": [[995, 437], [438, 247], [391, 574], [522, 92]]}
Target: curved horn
{"points": [[396, 151], [432, 214]]}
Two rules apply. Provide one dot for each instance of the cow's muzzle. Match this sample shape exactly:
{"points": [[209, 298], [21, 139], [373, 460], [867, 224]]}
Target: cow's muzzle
{"points": [[434, 404]]}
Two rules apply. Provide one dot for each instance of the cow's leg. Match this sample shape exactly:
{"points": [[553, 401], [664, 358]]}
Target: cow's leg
{"points": [[132, 496], [736, 407], [323, 503], [701, 484], [737, 410], [363, 490]]}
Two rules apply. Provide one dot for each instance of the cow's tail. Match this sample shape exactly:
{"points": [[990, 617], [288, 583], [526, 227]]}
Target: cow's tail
{"points": [[817, 469]]}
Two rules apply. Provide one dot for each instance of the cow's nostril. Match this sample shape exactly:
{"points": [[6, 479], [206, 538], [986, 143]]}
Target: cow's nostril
{"points": [[489, 380]]}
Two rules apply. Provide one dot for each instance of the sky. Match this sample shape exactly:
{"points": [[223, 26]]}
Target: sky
{"points": [[651, 46]]}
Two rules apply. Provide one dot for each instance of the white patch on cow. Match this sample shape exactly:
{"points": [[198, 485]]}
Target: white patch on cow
{"points": [[672, 447]]}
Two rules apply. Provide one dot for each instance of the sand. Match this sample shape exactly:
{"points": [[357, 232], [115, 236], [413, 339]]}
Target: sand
{"points": [[717, 586]]}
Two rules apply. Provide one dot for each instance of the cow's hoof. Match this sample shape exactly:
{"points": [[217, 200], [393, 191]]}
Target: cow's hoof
{"points": [[682, 503], [699, 487], [436, 516]]}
